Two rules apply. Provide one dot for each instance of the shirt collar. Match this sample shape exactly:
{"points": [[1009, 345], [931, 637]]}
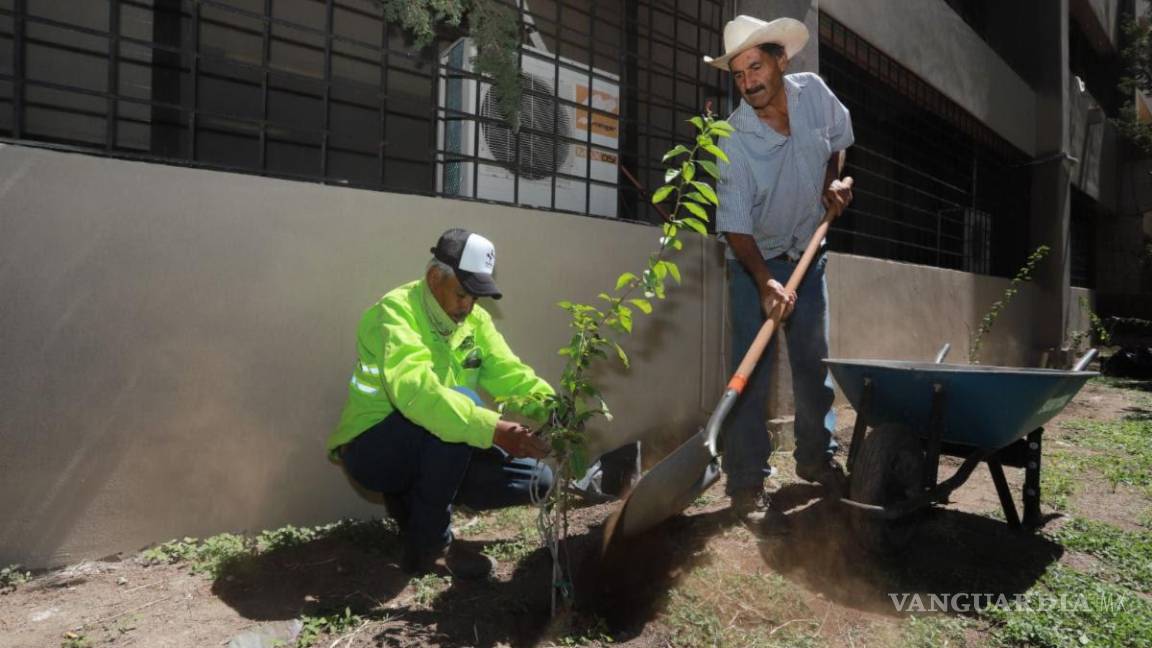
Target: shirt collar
{"points": [[744, 118]]}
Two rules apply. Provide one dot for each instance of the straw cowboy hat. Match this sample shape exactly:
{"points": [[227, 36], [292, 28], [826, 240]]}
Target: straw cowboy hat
{"points": [[744, 32]]}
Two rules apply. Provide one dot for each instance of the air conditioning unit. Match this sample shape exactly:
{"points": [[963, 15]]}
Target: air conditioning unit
{"points": [[561, 143]]}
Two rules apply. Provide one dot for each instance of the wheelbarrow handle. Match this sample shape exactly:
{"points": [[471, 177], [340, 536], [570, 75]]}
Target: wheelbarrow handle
{"points": [[739, 379]]}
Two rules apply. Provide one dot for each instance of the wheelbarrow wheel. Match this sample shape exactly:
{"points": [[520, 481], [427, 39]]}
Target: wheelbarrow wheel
{"points": [[886, 470]]}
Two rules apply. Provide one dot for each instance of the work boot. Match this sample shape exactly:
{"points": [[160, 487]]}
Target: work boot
{"points": [[458, 561], [828, 473], [753, 508]]}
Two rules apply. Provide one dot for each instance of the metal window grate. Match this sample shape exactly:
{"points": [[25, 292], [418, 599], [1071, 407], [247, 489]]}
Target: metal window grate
{"points": [[934, 185], [325, 90]]}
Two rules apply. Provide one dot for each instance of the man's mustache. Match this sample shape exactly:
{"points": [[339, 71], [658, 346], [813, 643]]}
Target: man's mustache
{"points": [[754, 90]]}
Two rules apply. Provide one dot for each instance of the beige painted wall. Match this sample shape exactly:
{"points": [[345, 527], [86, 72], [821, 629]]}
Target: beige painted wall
{"points": [[175, 344]]}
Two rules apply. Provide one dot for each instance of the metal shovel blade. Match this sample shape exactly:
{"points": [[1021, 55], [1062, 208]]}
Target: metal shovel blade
{"points": [[667, 489]]}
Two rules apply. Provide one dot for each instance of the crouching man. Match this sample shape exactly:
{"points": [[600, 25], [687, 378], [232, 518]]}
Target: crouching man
{"points": [[413, 428]]}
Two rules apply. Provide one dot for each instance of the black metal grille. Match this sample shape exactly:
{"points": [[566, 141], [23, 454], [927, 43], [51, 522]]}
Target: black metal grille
{"points": [[325, 90], [934, 185]]}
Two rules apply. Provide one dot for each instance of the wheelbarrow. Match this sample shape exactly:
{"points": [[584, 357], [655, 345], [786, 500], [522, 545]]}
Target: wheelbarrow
{"points": [[920, 411]]}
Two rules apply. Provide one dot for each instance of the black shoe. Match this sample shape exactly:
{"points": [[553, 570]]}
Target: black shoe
{"points": [[746, 501], [460, 562], [828, 473]]}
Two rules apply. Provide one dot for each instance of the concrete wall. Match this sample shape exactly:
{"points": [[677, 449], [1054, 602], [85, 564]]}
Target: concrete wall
{"points": [[937, 45], [175, 344], [900, 311]]}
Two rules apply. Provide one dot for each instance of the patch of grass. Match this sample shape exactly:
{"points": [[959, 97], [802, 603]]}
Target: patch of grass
{"points": [[1127, 554], [588, 633], [1057, 483], [315, 627], [1068, 609], [515, 549], [426, 588], [934, 631], [213, 555], [13, 576], [714, 607], [1124, 454], [209, 556]]}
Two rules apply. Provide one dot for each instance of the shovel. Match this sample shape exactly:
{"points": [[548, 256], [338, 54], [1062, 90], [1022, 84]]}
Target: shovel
{"points": [[674, 483]]}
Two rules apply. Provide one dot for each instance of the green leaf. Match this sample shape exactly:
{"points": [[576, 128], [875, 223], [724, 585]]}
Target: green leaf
{"points": [[643, 304], [677, 244], [707, 191], [625, 279], [696, 225], [698, 122], [623, 356], [662, 193], [679, 149], [625, 315], [696, 196], [710, 168], [659, 270], [697, 211], [715, 150], [673, 270], [688, 170], [564, 304], [721, 128], [671, 174]]}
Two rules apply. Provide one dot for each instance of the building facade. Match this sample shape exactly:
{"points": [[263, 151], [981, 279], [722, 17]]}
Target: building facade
{"points": [[199, 197]]}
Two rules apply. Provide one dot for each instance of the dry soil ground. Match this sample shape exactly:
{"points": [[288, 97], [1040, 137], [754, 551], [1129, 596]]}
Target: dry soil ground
{"points": [[702, 579]]}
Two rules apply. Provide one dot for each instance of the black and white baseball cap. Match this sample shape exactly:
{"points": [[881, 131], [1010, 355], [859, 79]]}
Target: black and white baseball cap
{"points": [[472, 257]]}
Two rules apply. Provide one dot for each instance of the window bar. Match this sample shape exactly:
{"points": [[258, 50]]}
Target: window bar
{"points": [[113, 73], [265, 63], [589, 114], [193, 121], [382, 145], [477, 123], [629, 51], [648, 175], [556, 103], [328, 26], [515, 134], [18, 65]]}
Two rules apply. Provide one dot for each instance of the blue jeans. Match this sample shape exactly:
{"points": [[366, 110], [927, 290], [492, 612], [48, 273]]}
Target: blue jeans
{"points": [[426, 476], [746, 442]]}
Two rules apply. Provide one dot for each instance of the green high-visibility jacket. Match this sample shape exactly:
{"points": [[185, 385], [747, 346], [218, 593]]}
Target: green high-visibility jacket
{"points": [[405, 365]]}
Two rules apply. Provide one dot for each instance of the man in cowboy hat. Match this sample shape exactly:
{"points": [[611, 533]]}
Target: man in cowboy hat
{"points": [[786, 155], [414, 430]]}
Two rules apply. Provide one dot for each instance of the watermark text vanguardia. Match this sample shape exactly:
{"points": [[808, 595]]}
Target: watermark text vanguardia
{"points": [[967, 602]]}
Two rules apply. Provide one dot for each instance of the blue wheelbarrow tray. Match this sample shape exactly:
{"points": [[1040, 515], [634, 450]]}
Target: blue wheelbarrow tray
{"points": [[987, 406]]}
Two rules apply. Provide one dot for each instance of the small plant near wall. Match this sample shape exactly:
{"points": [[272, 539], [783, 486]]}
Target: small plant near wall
{"points": [[1077, 339], [597, 328], [989, 319]]}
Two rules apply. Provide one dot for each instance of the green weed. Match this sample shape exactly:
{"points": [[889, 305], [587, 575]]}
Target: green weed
{"points": [[1068, 609], [13, 576], [935, 631], [426, 588], [1124, 454], [209, 556], [315, 627], [1127, 554], [1057, 483]]}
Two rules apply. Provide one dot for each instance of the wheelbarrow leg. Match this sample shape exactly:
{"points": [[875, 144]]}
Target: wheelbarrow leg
{"points": [[1032, 479], [861, 423], [935, 435], [1006, 502]]}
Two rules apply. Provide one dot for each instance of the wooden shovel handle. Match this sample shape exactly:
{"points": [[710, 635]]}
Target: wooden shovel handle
{"points": [[740, 378]]}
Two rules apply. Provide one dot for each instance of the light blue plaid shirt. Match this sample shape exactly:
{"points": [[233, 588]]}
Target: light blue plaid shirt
{"points": [[771, 189]]}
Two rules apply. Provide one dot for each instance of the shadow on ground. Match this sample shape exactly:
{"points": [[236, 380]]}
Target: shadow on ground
{"points": [[360, 571], [949, 552]]}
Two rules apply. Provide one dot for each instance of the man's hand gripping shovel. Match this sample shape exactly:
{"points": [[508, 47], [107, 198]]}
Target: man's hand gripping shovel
{"points": [[674, 483]]}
